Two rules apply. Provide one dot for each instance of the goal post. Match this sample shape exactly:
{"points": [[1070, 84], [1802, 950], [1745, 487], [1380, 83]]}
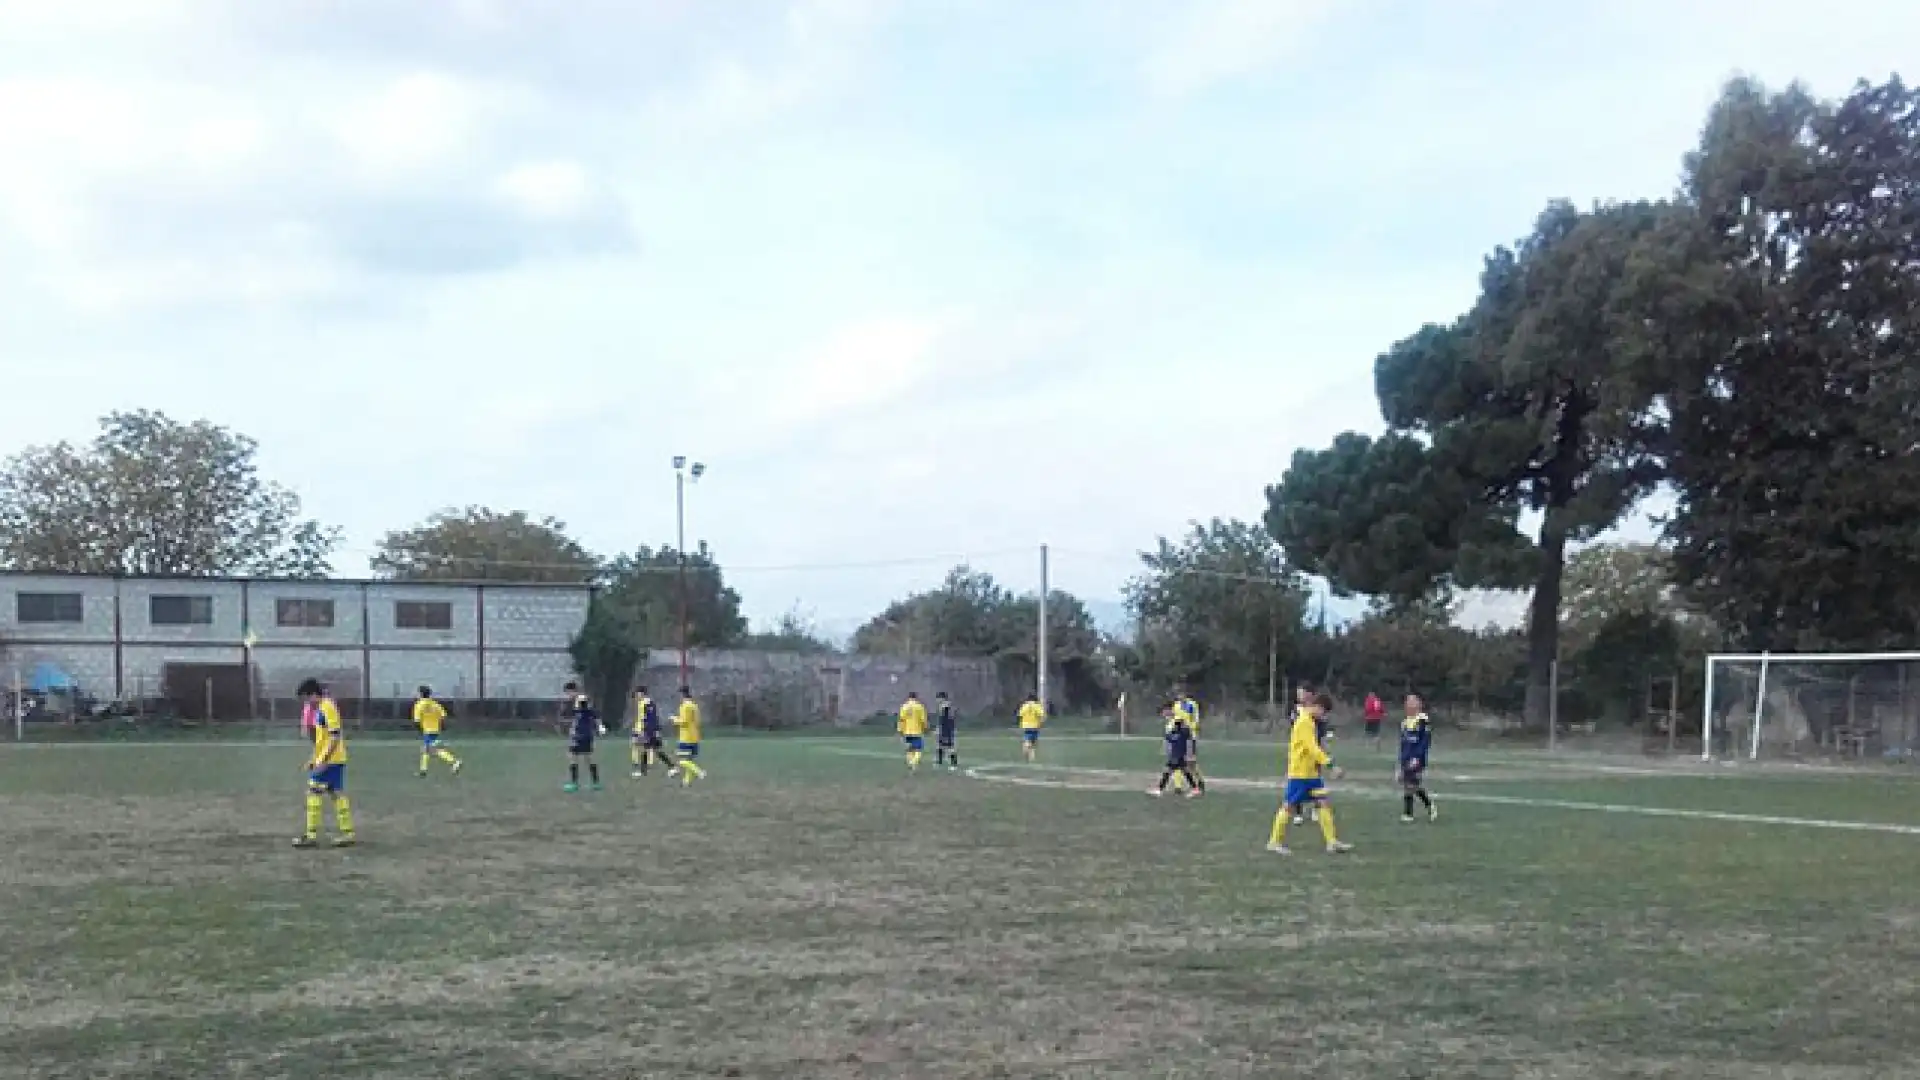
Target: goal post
{"points": [[1771, 704]]}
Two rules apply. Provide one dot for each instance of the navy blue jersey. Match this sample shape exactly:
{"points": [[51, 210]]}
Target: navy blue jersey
{"points": [[1416, 738], [1179, 740], [650, 720], [946, 720], [584, 723]]}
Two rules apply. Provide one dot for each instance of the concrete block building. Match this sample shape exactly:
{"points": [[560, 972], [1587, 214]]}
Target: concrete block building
{"points": [[228, 648]]}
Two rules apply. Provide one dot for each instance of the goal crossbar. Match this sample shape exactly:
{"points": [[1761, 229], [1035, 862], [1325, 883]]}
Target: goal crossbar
{"points": [[1765, 660]]}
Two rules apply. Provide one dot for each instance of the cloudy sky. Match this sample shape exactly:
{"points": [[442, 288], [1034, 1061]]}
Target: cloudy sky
{"points": [[919, 280]]}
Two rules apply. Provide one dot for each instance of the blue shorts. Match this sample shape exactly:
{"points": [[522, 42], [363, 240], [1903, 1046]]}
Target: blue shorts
{"points": [[1302, 792], [915, 743], [1031, 734], [1411, 774], [328, 778], [430, 742], [649, 740], [690, 749], [946, 738], [580, 746]]}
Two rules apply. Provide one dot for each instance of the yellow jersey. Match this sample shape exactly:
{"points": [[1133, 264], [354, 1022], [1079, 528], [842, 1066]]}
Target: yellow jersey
{"points": [[913, 719], [1032, 715], [429, 715], [1305, 758], [1189, 710], [329, 743], [687, 720]]}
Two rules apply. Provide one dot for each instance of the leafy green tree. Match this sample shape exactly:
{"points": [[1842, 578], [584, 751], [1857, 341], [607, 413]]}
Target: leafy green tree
{"points": [[636, 608], [971, 614], [153, 495], [478, 544], [1607, 583], [1527, 405], [1215, 607], [644, 588], [1786, 298]]}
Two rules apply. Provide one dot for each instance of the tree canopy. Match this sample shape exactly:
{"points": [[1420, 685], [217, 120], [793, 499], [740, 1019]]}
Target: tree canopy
{"points": [[1785, 299], [971, 614], [478, 544], [154, 495], [1529, 406], [1215, 608]]}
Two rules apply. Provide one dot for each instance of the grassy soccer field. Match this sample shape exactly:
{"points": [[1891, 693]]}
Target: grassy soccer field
{"points": [[812, 911]]}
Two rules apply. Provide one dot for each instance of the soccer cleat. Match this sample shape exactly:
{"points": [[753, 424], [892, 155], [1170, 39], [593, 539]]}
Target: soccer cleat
{"points": [[422, 774], [1194, 793], [1156, 792], [456, 768], [1299, 819], [306, 841], [596, 785], [1339, 848], [344, 841], [571, 788], [673, 773], [637, 774], [1279, 849], [1406, 819]]}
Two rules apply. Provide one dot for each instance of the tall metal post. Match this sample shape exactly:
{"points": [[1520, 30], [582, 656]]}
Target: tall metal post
{"points": [[680, 528], [1041, 651]]}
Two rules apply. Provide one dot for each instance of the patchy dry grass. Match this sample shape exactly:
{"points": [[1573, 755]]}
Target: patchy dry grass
{"points": [[815, 913]]}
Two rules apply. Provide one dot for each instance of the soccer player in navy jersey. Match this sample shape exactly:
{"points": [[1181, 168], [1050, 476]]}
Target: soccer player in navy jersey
{"points": [[947, 730], [583, 726], [1416, 747], [1178, 738]]}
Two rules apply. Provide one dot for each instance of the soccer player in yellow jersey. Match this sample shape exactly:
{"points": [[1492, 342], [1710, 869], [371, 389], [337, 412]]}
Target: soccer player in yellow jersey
{"points": [[326, 769], [913, 730], [1306, 761], [687, 723], [430, 716], [1033, 716]]}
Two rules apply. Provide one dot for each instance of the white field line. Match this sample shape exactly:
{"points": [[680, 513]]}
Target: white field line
{"points": [[1115, 780]]}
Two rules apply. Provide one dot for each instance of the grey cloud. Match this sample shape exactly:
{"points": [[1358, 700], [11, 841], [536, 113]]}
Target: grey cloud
{"points": [[616, 48], [439, 236]]}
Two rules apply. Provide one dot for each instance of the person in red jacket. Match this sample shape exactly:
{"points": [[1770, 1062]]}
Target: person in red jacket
{"points": [[1375, 713]]}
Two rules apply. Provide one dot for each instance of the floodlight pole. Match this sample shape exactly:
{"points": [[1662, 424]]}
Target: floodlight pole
{"points": [[680, 473]]}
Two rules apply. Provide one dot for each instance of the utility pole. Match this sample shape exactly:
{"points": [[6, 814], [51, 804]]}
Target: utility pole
{"points": [[1042, 650]]}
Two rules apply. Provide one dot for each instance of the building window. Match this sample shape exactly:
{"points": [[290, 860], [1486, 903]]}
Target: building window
{"points": [[295, 611], [422, 615], [180, 610], [48, 607]]}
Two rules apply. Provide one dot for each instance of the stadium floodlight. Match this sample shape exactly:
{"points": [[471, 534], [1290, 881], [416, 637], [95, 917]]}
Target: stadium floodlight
{"points": [[679, 462], [1848, 704]]}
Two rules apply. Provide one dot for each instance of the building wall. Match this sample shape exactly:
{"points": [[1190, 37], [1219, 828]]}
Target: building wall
{"points": [[497, 641], [812, 687]]}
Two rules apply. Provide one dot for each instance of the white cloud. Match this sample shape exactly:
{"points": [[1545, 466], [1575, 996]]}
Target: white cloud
{"points": [[862, 365], [420, 122], [1223, 40], [547, 189]]}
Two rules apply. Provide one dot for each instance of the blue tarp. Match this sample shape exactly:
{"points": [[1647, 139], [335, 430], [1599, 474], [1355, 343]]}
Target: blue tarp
{"points": [[48, 678]]}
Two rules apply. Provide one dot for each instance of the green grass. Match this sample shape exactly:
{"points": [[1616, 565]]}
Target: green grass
{"points": [[814, 912]]}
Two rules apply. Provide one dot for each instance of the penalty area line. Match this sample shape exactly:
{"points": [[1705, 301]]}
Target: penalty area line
{"points": [[1108, 780]]}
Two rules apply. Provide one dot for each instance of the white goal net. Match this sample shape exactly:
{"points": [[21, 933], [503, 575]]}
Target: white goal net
{"points": [[1857, 705]]}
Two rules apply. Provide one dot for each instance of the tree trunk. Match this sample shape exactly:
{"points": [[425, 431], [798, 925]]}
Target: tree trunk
{"points": [[1543, 622]]}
